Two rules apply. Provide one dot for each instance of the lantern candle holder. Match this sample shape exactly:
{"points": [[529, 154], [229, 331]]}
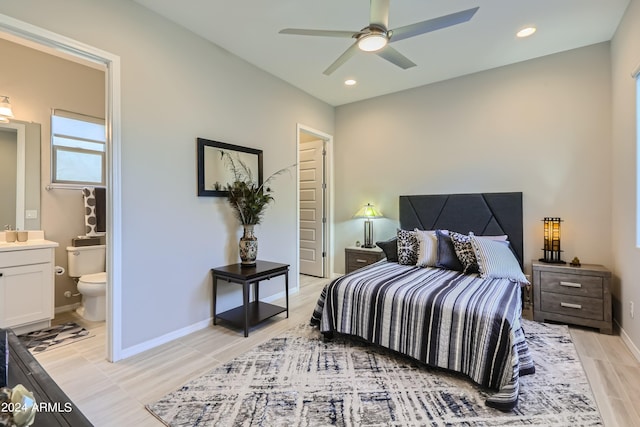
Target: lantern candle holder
{"points": [[551, 249]]}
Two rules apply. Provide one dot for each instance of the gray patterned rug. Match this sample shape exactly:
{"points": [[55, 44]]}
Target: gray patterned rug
{"points": [[54, 337], [298, 380]]}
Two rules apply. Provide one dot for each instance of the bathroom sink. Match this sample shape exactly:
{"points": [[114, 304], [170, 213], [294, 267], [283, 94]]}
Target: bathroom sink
{"points": [[35, 240]]}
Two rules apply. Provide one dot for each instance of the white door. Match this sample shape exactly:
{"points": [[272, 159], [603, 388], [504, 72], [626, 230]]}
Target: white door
{"points": [[311, 163]]}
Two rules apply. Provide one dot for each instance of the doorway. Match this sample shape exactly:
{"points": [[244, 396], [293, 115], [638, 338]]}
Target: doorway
{"points": [[55, 44], [313, 202]]}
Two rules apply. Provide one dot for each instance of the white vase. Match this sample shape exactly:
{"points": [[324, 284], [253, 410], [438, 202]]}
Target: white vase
{"points": [[248, 246]]}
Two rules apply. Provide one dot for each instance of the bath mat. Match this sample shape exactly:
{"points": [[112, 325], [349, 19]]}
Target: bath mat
{"points": [[54, 337], [297, 379]]}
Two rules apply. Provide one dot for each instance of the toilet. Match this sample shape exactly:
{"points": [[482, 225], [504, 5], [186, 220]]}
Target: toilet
{"points": [[87, 264]]}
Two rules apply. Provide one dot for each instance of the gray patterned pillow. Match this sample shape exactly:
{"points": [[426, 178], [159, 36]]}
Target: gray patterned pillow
{"points": [[407, 247], [464, 252]]}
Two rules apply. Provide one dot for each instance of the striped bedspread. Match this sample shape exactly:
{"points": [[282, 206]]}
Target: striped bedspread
{"points": [[440, 317]]}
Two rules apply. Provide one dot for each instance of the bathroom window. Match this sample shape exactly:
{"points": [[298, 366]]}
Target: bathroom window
{"points": [[77, 149]]}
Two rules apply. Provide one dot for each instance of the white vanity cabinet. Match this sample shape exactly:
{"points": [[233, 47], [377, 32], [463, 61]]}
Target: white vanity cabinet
{"points": [[27, 285]]}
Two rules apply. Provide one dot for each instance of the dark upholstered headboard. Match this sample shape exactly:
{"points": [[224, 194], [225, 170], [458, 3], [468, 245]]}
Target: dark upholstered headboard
{"points": [[481, 213]]}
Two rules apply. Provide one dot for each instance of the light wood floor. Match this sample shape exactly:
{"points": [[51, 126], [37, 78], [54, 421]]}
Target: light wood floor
{"points": [[114, 394]]}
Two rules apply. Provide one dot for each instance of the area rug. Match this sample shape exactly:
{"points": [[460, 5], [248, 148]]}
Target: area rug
{"points": [[299, 380], [54, 337]]}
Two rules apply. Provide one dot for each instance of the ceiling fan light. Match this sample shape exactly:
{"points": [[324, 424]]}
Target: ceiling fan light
{"points": [[372, 42]]}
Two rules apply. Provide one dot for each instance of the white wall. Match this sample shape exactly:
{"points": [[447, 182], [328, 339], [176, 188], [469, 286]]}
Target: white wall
{"points": [[625, 57], [542, 127], [177, 87]]}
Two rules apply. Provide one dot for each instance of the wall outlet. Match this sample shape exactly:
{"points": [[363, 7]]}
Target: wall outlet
{"points": [[31, 214], [631, 309]]}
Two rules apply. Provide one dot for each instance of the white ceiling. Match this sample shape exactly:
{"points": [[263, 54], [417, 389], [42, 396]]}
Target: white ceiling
{"points": [[249, 29]]}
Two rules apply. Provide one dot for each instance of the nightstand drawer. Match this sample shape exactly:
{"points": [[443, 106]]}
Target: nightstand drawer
{"points": [[356, 258], [363, 259], [571, 305], [571, 284]]}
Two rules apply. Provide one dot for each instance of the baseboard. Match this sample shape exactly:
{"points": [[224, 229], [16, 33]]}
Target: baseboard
{"points": [[148, 345], [627, 341], [279, 295], [66, 308]]}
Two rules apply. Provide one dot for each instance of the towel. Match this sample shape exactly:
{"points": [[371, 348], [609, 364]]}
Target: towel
{"points": [[94, 210]]}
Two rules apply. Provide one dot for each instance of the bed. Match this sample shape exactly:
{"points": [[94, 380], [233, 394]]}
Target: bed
{"points": [[465, 322]]}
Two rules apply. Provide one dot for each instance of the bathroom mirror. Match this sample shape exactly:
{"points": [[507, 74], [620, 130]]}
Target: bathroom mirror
{"points": [[20, 175], [213, 171]]}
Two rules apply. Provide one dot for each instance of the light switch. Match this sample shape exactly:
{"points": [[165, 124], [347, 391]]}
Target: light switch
{"points": [[31, 214]]}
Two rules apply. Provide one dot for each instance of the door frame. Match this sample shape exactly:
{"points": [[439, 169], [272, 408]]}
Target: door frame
{"points": [[48, 39], [328, 197]]}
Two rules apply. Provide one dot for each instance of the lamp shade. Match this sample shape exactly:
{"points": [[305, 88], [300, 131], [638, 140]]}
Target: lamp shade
{"points": [[5, 109], [368, 211]]}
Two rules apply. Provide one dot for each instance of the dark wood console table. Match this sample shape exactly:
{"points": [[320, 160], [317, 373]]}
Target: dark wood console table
{"points": [[54, 406], [250, 313]]}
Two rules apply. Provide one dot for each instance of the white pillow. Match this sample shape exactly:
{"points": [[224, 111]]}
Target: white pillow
{"points": [[495, 260], [427, 248]]}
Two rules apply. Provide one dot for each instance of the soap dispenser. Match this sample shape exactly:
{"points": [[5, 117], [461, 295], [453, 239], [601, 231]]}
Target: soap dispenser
{"points": [[9, 234]]}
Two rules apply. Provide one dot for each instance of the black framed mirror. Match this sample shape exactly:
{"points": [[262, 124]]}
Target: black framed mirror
{"points": [[213, 172]]}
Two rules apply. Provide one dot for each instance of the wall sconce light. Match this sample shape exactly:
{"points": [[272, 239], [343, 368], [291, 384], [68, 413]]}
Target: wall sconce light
{"points": [[5, 109], [551, 248], [368, 212]]}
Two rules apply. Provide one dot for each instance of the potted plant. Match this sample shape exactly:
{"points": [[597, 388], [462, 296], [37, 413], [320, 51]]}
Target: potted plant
{"points": [[249, 200]]}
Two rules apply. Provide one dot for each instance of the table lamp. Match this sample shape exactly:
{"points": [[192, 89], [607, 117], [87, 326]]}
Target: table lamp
{"points": [[368, 212], [551, 248]]}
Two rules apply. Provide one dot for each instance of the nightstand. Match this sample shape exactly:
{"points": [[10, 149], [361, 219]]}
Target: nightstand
{"points": [[355, 257], [575, 295]]}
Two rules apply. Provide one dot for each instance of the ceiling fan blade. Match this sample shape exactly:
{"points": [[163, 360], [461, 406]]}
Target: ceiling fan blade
{"points": [[379, 13], [432, 24], [324, 33], [342, 59], [395, 57]]}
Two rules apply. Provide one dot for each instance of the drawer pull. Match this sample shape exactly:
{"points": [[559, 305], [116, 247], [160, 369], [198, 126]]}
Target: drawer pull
{"points": [[361, 261], [571, 284], [569, 305]]}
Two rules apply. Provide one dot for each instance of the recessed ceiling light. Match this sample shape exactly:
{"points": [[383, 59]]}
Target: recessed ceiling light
{"points": [[350, 82], [526, 32]]}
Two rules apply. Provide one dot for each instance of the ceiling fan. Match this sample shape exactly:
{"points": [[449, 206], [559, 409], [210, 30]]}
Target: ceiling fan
{"points": [[376, 36]]}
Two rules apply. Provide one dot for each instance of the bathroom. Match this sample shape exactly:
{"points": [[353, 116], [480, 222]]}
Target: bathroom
{"points": [[37, 82]]}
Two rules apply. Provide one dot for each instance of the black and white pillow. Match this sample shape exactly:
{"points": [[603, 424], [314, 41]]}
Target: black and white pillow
{"points": [[407, 247], [464, 252]]}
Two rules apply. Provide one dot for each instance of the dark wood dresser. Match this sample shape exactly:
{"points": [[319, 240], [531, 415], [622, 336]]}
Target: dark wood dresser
{"points": [[574, 295], [358, 257], [54, 406]]}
